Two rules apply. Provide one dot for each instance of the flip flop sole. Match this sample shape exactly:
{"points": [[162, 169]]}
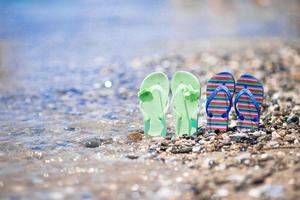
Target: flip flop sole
{"points": [[153, 103], [220, 102], [245, 106], [186, 111]]}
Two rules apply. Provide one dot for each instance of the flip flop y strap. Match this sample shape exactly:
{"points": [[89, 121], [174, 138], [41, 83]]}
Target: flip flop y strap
{"points": [[185, 105], [213, 95], [253, 100], [191, 94], [154, 126], [145, 95]]}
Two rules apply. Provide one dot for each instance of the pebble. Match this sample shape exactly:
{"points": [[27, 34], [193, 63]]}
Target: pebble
{"points": [[259, 133], [293, 119], [135, 136], [289, 138], [182, 150], [265, 157], [132, 157], [222, 192], [209, 163], [70, 128], [236, 178], [92, 143], [165, 193], [196, 149], [243, 157], [274, 144], [270, 191], [276, 135], [152, 153], [96, 142], [242, 137], [200, 131], [282, 133]]}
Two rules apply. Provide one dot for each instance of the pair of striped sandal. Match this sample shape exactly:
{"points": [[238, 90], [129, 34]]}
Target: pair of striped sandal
{"points": [[154, 102], [249, 94]]}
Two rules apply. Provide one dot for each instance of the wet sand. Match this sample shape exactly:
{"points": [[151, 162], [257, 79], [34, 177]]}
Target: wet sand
{"points": [[85, 141]]}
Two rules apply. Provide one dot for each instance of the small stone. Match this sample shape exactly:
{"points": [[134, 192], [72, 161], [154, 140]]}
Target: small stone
{"points": [[200, 131], [275, 135], [168, 137], [174, 139], [259, 147], [242, 137], [293, 119], [274, 144], [270, 191], [282, 133], [192, 165], [284, 125], [152, 153], [289, 138], [182, 150], [221, 167], [135, 187], [209, 163], [164, 193], [259, 133], [165, 143], [132, 157], [265, 157], [178, 143], [259, 177], [243, 157], [135, 136], [153, 147], [236, 178], [222, 192], [96, 142], [264, 138], [196, 149], [70, 128], [92, 143], [280, 154], [195, 190]]}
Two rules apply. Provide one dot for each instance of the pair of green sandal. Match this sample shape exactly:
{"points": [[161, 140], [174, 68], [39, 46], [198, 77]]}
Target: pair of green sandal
{"points": [[154, 102]]}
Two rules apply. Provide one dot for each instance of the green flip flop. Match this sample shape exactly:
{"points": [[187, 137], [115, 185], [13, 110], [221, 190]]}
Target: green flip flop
{"points": [[185, 88], [154, 103]]}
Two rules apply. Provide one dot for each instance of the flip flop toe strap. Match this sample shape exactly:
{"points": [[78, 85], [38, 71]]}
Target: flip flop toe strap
{"points": [[252, 98], [213, 95], [145, 95], [191, 94]]}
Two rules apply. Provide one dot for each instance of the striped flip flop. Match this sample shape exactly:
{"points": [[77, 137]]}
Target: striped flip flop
{"points": [[249, 97], [219, 92]]}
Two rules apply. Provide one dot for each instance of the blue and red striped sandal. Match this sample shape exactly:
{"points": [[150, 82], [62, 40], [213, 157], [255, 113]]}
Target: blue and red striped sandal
{"points": [[249, 97], [219, 92]]}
